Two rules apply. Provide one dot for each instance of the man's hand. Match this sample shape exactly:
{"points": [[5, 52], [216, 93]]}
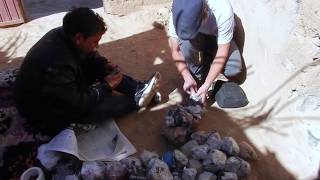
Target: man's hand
{"points": [[215, 69], [203, 92], [190, 85], [112, 68], [114, 79], [111, 65]]}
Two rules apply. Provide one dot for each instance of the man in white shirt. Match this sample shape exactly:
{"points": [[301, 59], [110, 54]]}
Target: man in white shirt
{"points": [[200, 37]]}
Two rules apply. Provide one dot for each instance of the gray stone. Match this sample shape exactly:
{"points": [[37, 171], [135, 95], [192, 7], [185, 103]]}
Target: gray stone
{"points": [[186, 117], [8, 77], [131, 161], [70, 165], [133, 164], [72, 177], [180, 158], [247, 152], [186, 148], [214, 140], [200, 137], [178, 116], [137, 177], [116, 170], [170, 121], [200, 152], [215, 161], [158, 170], [230, 146], [196, 108], [176, 136], [207, 176], [229, 176], [189, 174], [233, 164], [244, 170], [92, 170], [238, 166], [146, 156], [193, 163], [176, 175]]}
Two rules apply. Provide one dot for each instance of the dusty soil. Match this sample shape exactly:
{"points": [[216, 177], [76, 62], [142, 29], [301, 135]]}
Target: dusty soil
{"points": [[277, 39]]}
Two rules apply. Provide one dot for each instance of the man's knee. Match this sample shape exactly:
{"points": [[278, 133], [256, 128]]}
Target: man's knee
{"points": [[232, 71], [235, 73]]}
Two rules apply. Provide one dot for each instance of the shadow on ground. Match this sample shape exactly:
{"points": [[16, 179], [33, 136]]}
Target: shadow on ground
{"points": [[144, 53], [139, 56], [6, 52]]}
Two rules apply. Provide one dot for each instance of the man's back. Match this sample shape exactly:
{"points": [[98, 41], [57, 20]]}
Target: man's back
{"points": [[53, 48], [218, 22]]}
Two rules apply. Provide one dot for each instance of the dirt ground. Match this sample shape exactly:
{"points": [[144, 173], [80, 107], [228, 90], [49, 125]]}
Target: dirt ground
{"points": [[282, 119]]}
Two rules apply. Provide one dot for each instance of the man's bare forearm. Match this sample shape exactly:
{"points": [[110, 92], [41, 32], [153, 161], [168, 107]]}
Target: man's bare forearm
{"points": [[178, 58], [218, 63]]}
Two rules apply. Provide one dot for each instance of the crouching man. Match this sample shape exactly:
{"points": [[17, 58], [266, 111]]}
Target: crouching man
{"points": [[64, 80]]}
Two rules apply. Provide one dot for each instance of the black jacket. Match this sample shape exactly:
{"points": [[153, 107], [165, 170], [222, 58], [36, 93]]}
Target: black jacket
{"points": [[59, 84]]}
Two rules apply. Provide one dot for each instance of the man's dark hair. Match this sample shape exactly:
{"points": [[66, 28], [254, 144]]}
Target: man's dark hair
{"points": [[83, 20]]}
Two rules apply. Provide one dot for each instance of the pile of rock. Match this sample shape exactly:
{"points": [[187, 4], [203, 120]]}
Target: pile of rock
{"points": [[181, 121], [211, 157], [202, 155], [206, 156], [197, 155]]}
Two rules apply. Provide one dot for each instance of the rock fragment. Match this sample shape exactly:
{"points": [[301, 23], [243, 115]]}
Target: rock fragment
{"points": [[229, 176], [230, 146], [189, 174], [247, 152], [158, 170], [146, 156], [215, 161], [207, 176]]}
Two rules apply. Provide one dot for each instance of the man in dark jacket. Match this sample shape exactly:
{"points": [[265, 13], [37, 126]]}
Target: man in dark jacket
{"points": [[64, 80]]}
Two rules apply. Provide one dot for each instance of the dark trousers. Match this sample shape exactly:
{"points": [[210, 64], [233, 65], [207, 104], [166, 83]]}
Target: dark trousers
{"points": [[112, 106], [116, 105]]}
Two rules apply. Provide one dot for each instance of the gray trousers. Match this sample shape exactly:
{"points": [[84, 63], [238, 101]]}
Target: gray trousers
{"points": [[200, 52]]}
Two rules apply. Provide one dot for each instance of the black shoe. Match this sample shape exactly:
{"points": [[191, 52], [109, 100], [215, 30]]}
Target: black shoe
{"points": [[146, 91]]}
